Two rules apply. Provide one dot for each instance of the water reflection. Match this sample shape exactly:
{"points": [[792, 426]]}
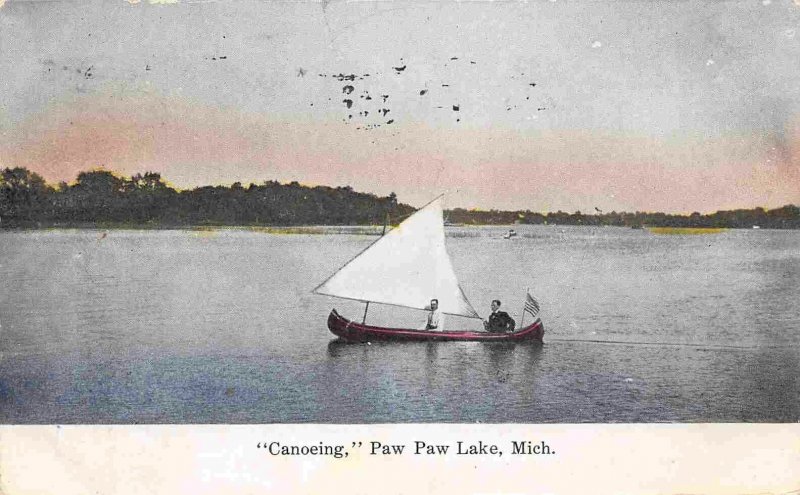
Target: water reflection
{"points": [[339, 347], [431, 360], [500, 355], [439, 381]]}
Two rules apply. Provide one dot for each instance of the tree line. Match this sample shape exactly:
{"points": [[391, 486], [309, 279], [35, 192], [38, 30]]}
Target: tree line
{"points": [[786, 217], [100, 198]]}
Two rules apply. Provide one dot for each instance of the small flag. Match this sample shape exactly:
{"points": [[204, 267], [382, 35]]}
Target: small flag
{"points": [[531, 305]]}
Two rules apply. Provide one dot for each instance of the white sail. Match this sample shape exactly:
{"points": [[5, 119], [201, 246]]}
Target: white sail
{"points": [[408, 267]]}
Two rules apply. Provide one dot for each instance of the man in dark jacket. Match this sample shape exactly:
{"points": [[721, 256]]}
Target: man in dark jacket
{"points": [[499, 321]]}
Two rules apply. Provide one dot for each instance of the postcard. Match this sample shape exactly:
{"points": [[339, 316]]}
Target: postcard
{"points": [[481, 247]]}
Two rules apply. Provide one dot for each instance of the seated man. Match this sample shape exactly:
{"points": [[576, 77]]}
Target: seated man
{"points": [[499, 321], [435, 319]]}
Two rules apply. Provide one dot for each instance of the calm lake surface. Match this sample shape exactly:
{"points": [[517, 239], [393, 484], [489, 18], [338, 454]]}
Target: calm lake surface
{"points": [[221, 327]]}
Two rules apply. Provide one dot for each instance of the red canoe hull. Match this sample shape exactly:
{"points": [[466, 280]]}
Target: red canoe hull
{"points": [[356, 332]]}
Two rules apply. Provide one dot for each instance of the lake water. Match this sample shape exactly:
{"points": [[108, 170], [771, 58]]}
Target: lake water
{"points": [[220, 327]]}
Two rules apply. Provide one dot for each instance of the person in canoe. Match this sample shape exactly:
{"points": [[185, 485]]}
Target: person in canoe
{"points": [[435, 321], [499, 321]]}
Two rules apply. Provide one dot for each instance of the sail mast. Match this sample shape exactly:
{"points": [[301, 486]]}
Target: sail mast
{"points": [[366, 308]]}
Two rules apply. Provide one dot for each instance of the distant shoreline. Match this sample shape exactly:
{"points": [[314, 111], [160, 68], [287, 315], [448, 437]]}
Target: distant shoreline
{"points": [[372, 230], [267, 229], [100, 199]]}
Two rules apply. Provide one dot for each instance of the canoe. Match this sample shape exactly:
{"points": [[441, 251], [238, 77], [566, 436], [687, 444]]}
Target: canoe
{"points": [[413, 256], [356, 332]]}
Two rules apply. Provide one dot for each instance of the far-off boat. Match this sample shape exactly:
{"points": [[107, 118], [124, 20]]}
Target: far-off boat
{"points": [[409, 266]]}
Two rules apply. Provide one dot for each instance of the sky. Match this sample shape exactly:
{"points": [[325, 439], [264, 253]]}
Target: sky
{"points": [[544, 105]]}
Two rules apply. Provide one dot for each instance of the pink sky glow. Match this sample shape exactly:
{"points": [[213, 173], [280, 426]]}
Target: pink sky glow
{"points": [[194, 144]]}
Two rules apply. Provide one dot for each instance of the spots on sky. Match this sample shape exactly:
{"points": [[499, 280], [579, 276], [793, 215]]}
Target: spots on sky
{"points": [[368, 101], [301, 72]]}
